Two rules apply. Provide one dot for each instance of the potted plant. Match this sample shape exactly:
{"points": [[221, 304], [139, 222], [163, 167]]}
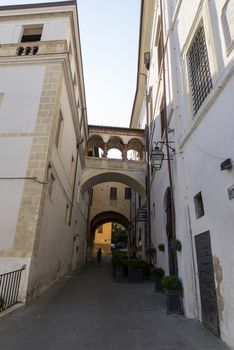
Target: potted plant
{"points": [[176, 245], [135, 270], [173, 287], [161, 247], [157, 274]]}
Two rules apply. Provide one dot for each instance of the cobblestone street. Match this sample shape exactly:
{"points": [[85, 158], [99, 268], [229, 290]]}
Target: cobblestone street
{"points": [[88, 310]]}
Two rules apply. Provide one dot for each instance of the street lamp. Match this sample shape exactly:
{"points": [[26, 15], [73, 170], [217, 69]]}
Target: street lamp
{"points": [[157, 156]]}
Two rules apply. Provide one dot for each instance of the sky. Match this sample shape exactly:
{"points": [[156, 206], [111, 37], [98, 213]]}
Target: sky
{"points": [[109, 31]]}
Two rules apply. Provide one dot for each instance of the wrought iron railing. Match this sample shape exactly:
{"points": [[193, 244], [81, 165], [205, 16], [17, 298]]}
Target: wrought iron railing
{"points": [[9, 288]]}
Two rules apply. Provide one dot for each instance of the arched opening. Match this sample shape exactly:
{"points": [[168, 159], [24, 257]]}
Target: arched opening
{"points": [[108, 229], [112, 191], [172, 257], [95, 146], [133, 155], [115, 177], [115, 147], [135, 149], [114, 153]]}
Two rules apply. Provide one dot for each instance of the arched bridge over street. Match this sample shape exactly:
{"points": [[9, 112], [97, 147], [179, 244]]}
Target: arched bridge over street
{"points": [[99, 168]]}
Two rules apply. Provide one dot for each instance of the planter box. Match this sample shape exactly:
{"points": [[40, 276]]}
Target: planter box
{"points": [[174, 302], [135, 275], [157, 284]]}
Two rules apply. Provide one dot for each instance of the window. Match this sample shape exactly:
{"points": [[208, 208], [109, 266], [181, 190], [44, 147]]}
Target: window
{"points": [[68, 215], [113, 193], [160, 49], [51, 185], [150, 101], [72, 168], [74, 80], [127, 193], [100, 229], [162, 117], [199, 69], [58, 132], [31, 34], [1, 97], [139, 201], [198, 202]]}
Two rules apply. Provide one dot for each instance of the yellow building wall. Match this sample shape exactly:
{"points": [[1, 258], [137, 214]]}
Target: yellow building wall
{"points": [[102, 239]]}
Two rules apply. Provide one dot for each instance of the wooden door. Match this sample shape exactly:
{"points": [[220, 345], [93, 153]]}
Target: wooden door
{"points": [[172, 257], [209, 305]]}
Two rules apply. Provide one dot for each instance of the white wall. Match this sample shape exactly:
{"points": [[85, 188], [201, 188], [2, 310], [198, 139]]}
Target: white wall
{"points": [[54, 29], [18, 112]]}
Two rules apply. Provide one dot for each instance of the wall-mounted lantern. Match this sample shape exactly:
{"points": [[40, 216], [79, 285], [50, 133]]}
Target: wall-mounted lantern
{"points": [[157, 156]]}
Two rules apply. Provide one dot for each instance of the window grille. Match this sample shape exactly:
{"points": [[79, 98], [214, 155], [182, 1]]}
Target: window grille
{"points": [[199, 69]]}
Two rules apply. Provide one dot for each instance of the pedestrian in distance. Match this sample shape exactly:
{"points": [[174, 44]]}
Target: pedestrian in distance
{"points": [[99, 256]]}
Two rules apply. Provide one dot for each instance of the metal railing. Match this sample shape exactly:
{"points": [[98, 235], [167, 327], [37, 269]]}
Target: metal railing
{"points": [[9, 288]]}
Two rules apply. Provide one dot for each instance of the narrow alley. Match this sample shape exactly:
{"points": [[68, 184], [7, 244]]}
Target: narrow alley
{"points": [[88, 310]]}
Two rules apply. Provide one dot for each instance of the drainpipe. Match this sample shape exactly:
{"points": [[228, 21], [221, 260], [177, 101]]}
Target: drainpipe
{"points": [[166, 135]]}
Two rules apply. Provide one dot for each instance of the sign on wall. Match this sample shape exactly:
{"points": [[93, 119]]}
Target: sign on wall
{"points": [[141, 215]]}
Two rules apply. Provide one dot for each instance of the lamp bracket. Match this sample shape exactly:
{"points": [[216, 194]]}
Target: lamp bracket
{"points": [[166, 144]]}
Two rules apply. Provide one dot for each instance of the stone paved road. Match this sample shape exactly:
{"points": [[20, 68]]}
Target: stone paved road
{"points": [[89, 311]]}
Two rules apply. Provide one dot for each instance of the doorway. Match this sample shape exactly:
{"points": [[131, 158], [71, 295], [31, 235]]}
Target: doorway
{"points": [[172, 258], [209, 305]]}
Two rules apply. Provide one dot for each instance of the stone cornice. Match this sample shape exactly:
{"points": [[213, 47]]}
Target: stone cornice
{"points": [[100, 129]]}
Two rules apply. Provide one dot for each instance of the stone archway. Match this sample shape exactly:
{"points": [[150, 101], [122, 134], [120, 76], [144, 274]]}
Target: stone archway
{"points": [[95, 178], [103, 221], [105, 217], [94, 142], [116, 142], [135, 144]]}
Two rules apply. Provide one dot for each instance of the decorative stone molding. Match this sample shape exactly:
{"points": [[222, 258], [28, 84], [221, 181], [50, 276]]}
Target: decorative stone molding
{"points": [[228, 24], [123, 139], [34, 48]]}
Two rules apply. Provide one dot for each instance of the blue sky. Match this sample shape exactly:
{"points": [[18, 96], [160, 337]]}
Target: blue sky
{"points": [[109, 37]]}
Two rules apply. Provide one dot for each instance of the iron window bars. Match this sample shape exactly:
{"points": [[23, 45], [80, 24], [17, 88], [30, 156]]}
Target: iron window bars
{"points": [[199, 69]]}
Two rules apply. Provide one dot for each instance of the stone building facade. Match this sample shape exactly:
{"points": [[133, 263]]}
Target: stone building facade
{"points": [[43, 126]]}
